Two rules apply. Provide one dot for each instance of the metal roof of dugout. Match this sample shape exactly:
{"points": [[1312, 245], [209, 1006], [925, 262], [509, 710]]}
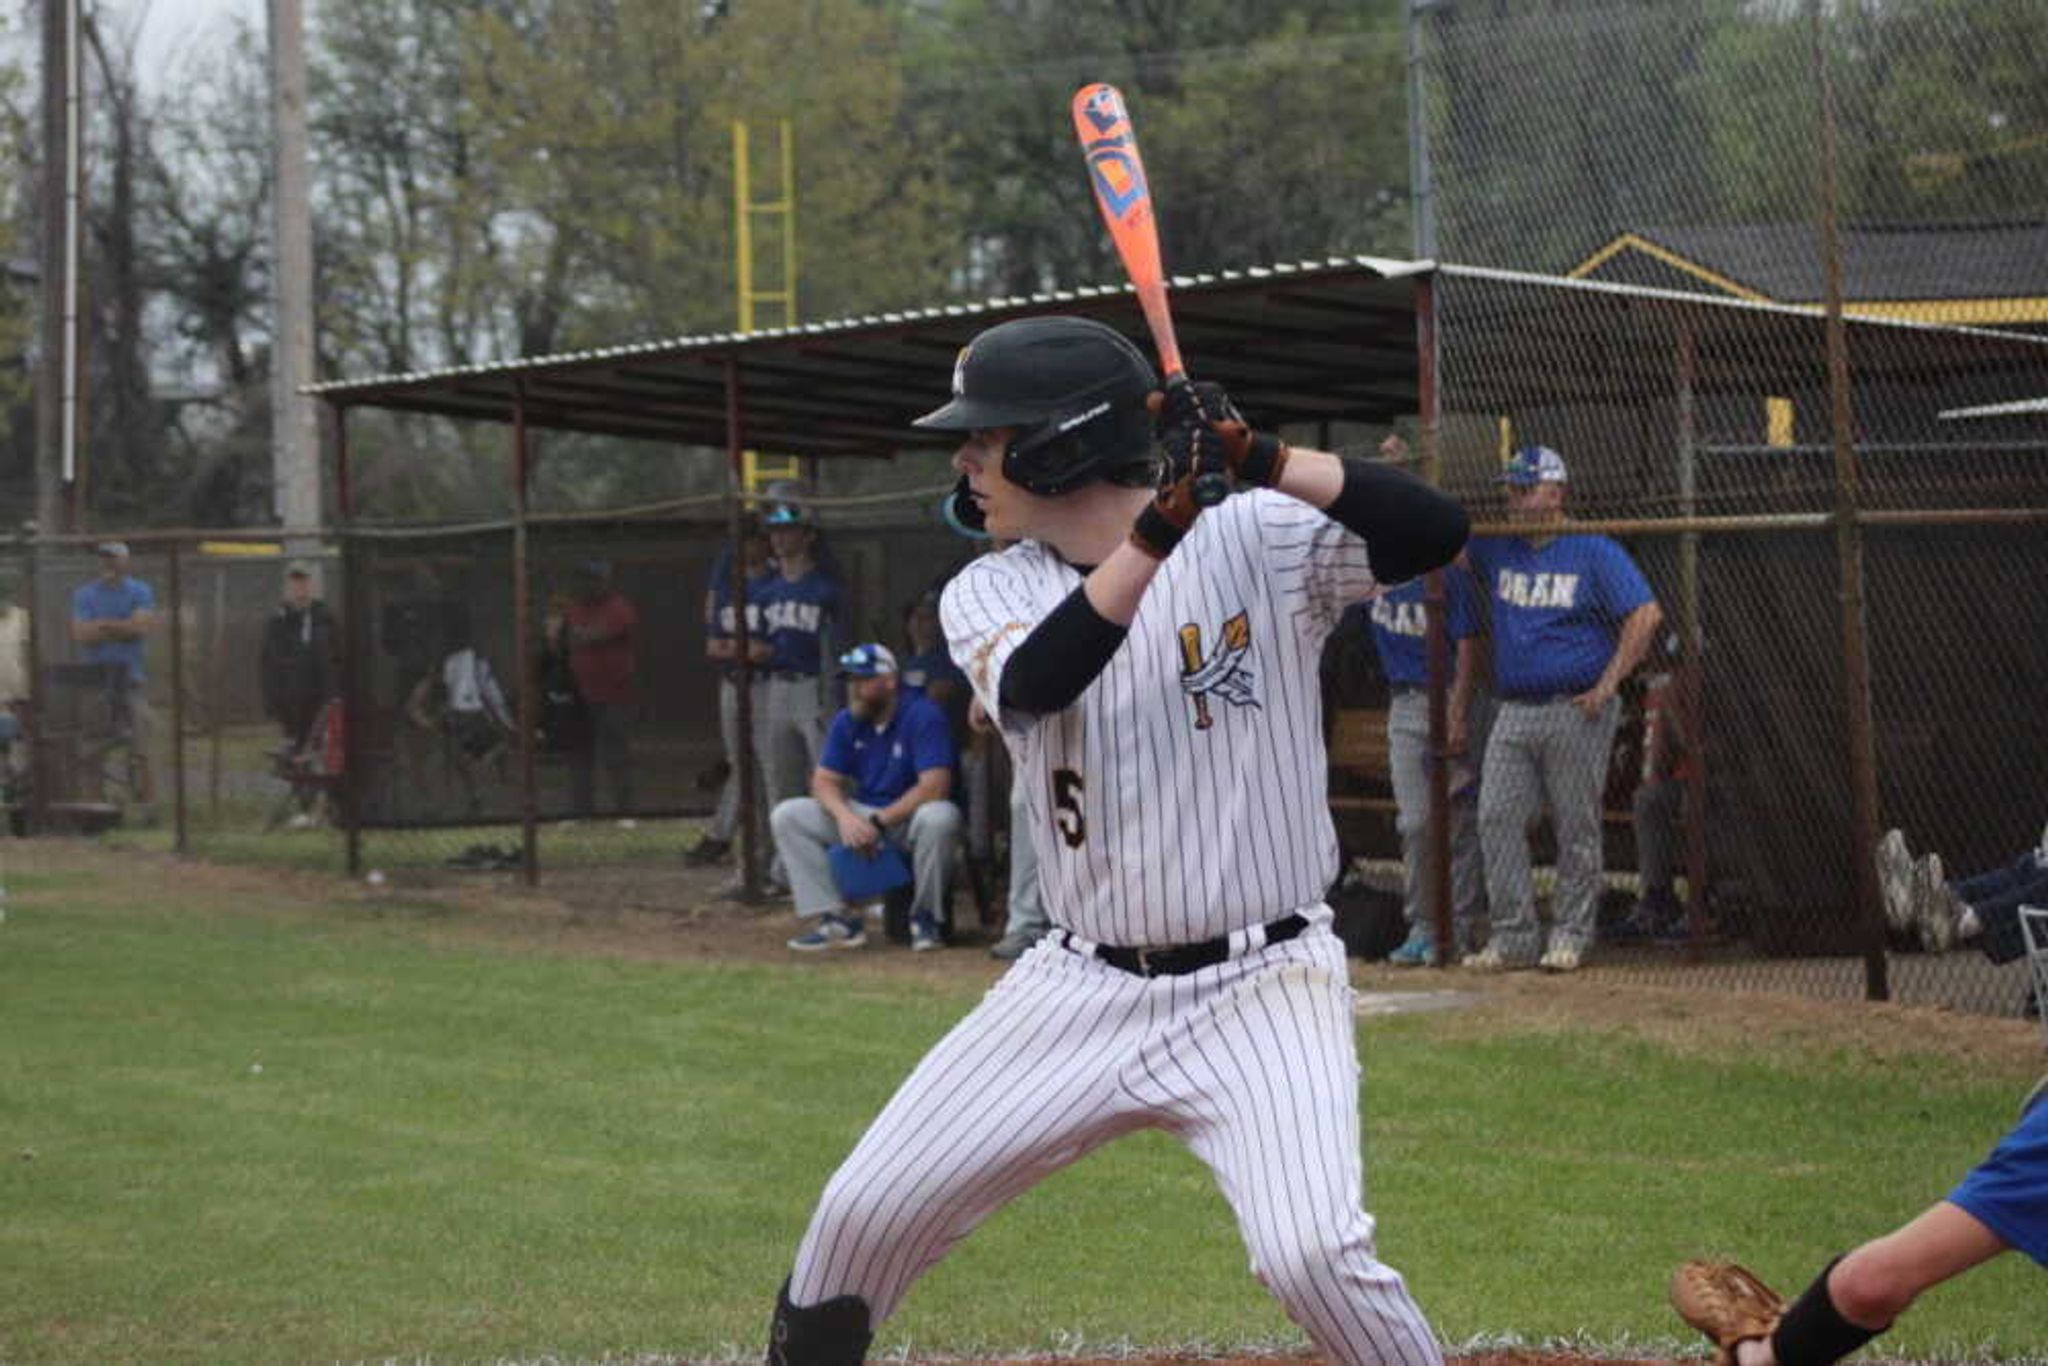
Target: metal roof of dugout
{"points": [[1337, 340]]}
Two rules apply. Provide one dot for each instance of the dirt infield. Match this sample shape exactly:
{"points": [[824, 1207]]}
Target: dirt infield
{"points": [[1499, 1358]]}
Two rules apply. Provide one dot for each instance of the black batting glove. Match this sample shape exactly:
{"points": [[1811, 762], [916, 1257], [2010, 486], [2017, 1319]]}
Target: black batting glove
{"points": [[1173, 509], [1255, 458]]}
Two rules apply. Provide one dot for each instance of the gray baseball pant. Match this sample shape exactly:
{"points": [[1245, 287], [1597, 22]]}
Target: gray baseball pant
{"points": [[1544, 753], [725, 821], [789, 734], [1657, 805], [1027, 907], [1408, 758], [804, 829]]}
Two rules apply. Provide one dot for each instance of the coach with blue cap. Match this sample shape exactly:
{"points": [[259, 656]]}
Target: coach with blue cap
{"points": [[1572, 617], [885, 777]]}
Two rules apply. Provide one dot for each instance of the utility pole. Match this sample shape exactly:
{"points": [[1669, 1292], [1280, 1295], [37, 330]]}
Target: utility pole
{"points": [[294, 425], [57, 253], [1421, 177]]}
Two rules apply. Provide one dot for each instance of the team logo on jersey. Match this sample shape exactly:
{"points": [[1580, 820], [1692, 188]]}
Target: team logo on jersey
{"points": [[1221, 673]]}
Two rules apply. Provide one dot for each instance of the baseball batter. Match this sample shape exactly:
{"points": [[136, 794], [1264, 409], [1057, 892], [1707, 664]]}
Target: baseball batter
{"points": [[1153, 668]]}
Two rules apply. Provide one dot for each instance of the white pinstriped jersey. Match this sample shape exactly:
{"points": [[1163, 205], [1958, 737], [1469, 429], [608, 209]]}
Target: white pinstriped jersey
{"points": [[1185, 794]]}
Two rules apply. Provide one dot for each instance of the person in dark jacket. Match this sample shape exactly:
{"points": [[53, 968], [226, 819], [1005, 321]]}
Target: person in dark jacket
{"points": [[300, 670]]}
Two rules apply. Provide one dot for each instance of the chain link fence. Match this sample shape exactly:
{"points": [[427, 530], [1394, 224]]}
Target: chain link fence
{"points": [[1844, 617]]}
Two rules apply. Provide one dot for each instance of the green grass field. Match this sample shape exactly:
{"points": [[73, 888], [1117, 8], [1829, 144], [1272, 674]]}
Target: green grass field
{"points": [[238, 1127]]}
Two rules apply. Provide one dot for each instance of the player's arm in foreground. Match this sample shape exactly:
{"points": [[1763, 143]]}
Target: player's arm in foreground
{"points": [[1411, 528], [2002, 1204]]}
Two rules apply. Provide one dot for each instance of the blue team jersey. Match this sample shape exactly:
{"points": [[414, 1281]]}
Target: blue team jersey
{"points": [[723, 622], [1400, 625], [101, 600], [794, 615], [2008, 1192], [1557, 610], [884, 763], [920, 671]]}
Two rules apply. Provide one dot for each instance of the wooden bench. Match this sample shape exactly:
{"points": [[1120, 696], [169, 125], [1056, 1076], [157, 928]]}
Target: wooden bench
{"points": [[1358, 759]]}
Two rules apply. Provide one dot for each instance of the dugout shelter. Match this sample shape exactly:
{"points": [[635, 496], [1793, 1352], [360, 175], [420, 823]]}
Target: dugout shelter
{"points": [[1698, 428]]}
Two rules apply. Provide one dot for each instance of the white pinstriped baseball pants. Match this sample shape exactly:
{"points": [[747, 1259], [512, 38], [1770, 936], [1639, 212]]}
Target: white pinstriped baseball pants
{"points": [[1251, 1063]]}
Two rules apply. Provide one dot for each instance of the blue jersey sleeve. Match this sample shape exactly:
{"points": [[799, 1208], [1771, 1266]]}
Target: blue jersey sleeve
{"points": [[837, 755], [1621, 586], [931, 740], [1461, 603]]}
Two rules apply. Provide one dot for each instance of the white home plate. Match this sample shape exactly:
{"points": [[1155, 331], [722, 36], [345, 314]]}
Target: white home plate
{"points": [[1407, 1002]]}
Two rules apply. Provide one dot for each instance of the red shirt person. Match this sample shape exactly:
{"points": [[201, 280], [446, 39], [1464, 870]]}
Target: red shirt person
{"points": [[603, 631]]}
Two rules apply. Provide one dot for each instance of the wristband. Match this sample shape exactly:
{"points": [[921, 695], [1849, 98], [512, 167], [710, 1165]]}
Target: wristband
{"points": [[1264, 460], [1155, 533]]}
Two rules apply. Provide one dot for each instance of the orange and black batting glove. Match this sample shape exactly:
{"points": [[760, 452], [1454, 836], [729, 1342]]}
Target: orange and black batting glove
{"points": [[1166, 519], [1254, 458]]}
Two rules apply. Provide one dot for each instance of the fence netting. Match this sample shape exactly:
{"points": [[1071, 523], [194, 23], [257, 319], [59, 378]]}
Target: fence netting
{"points": [[1677, 150]]}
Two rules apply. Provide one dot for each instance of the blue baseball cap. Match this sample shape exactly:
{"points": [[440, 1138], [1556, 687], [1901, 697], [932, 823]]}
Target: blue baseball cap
{"points": [[1532, 465], [867, 661]]}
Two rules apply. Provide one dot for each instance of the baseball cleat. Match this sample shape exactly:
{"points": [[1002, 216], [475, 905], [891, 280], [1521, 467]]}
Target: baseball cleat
{"points": [[1418, 951], [833, 932], [1561, 958]]}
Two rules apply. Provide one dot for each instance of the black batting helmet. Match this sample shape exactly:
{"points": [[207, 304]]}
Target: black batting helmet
{"points": [[1073, 389]]}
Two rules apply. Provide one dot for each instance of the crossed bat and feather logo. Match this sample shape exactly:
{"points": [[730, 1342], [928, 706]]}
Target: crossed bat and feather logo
{"points": [[1222, 673]]}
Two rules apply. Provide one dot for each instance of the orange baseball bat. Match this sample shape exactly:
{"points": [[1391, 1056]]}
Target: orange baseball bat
{"points": [[1125, 198]]}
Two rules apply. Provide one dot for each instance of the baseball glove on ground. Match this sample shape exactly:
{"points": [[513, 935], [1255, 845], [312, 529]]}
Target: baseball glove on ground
{"points": [[1725, 1302]]}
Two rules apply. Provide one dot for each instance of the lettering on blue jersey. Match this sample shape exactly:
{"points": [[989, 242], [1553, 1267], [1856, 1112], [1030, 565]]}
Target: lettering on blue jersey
{"points": [[1538, 590], [1400, 618], [1222, 673], [789, 615]]}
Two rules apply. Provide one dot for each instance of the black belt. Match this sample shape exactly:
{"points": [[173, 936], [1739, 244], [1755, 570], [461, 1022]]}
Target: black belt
{"points": [[1177, 960], [1541, 699]]}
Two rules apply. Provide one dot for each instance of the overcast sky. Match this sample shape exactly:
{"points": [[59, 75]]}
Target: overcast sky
{"points": [[170, 28]]}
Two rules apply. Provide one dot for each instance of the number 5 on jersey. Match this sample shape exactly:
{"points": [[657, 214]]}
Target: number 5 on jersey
{"points": [[1066, 807]]}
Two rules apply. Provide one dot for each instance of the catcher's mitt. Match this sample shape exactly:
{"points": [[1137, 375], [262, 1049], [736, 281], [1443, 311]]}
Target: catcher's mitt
{"points": [[1725, 1302]]}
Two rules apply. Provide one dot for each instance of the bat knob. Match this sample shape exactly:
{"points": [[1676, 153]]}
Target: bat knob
{"points": [[1210, 489]]}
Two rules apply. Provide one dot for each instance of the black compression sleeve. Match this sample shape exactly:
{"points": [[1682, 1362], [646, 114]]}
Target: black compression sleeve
{"points": [[1409, 527], [1060, 658], [1813, 1332]]}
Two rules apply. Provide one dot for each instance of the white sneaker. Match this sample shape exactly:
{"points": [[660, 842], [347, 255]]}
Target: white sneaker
{"points": [[1933, 910], [1895, 880], [1561, 958], [1488, 959]]}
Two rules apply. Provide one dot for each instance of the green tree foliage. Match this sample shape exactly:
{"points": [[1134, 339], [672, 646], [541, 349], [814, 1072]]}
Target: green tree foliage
{"points": [[1270, 131], [1557, 125]]}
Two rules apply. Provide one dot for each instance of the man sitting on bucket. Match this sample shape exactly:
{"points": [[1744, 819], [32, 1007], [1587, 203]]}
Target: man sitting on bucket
{"points": [[883, 777]]}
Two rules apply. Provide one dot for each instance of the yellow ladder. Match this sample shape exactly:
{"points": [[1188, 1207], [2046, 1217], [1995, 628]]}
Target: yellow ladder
{"points": [[756, 470]]}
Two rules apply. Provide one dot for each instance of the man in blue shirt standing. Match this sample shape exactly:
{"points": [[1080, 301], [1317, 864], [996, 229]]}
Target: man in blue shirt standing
{"points": [[799, 612], [885, 775], [1572, 617], [1400, 631], [111, 617]]}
